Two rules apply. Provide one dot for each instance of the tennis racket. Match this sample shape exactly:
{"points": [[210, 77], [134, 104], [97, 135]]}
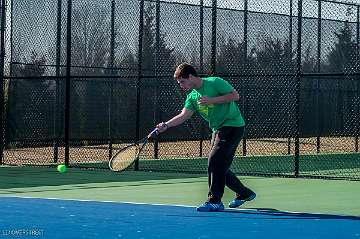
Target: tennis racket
{"points": [[126, 156]]}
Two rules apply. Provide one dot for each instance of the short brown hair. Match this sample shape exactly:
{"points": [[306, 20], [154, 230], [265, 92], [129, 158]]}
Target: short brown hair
{"points": [[184, 70]]}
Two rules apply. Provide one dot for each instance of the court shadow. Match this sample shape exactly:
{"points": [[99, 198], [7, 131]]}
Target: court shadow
{"points": [[277, 214]]}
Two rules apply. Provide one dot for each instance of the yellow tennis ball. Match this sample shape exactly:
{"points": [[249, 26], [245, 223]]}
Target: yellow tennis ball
{"points": [[61, 168]]}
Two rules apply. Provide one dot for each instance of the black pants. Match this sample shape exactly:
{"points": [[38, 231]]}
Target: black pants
{"points": [[224, 142]]}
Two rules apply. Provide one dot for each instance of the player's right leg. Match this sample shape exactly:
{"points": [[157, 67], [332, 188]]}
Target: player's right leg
{"points": [[243, 194]]}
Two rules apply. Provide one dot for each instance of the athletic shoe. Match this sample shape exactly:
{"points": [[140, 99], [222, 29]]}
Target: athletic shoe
{"points": [[240, 201], [210, 207]]}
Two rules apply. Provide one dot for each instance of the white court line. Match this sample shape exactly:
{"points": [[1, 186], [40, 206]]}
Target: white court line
{"points": [[106, 201], [184, 206], [170, 205]]}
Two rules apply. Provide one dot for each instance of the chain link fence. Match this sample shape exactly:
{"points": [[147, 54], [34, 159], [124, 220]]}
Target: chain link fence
{"points": [[82, 78]]}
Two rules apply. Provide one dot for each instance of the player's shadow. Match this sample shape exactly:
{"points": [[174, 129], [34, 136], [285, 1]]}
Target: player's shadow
{"points": [[277, 214]]}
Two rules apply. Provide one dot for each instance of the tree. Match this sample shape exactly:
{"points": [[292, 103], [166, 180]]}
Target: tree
{"points": [[152, 50], [310, 92], [231, 57], [165, 57], [309, 63], [342, 57], [157, 59], [34, 66], [90, 40], [276, 56], [29, 110], [90, 55]]}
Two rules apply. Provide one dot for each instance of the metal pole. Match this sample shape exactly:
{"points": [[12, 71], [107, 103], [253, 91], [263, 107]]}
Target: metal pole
{"points": [[2, 66], [202, 66], [111, 63], [139, 76], [357, 80], [245, 64], [57, 93], [68, 81], [157, 64], [298, 91], [11, 83], [291, 65], [11, 38], [201, 36], [213, 37], [317, 115]]}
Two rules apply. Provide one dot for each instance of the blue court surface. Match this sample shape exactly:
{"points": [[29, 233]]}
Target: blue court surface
{"points": [[53, 218]]}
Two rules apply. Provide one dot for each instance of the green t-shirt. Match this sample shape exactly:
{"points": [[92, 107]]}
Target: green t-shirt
{"points": [[218, 115]]}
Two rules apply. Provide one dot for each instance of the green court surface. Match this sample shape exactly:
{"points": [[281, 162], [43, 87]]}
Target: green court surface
{"points": [[284, 194], [335, 165]]}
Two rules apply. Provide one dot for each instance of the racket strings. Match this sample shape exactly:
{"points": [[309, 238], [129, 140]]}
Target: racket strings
{"points": [[124, 158]]}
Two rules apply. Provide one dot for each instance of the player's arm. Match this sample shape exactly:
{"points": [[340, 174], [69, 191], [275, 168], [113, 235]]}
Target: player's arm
{"points": [[176, 120], [227, 93], [232, 96]]}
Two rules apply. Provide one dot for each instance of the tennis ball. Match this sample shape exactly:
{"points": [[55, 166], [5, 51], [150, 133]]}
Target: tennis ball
{"points": [[61, 168]]}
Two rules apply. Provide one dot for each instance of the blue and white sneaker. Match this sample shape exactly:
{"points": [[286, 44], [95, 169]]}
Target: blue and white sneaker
{"points": [[210, 207], [240, 201]]}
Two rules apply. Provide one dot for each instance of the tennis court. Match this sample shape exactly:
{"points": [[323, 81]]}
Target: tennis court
{"points": [[181, 156], [82, 79], [40, 202]]}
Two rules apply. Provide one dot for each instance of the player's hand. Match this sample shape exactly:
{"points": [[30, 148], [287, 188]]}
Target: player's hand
{"points": [[204, 100], [162, 127]]}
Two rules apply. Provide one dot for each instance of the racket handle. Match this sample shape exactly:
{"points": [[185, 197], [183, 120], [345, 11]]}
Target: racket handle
{"points": [[153, 134]]}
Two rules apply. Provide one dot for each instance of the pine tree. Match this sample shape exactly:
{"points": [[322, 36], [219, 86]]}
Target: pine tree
{"points": [[276, 56], [90, 53], [166, 59], [342, 57], [29, 108], [231, 57]]}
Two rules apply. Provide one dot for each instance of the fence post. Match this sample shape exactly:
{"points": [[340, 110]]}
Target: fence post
{"points": [[157, 64], [201, 28], [2, 66], [67, 86], [298, 91], [244, 102], [292, 69], [11, 39], [139, 76], [213, 36], [317, 115], [111, 64], [57, 93], [357, 118]]}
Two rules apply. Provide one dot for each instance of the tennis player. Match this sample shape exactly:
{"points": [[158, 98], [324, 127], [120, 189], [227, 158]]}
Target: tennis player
{"points": [[215, 100]]}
